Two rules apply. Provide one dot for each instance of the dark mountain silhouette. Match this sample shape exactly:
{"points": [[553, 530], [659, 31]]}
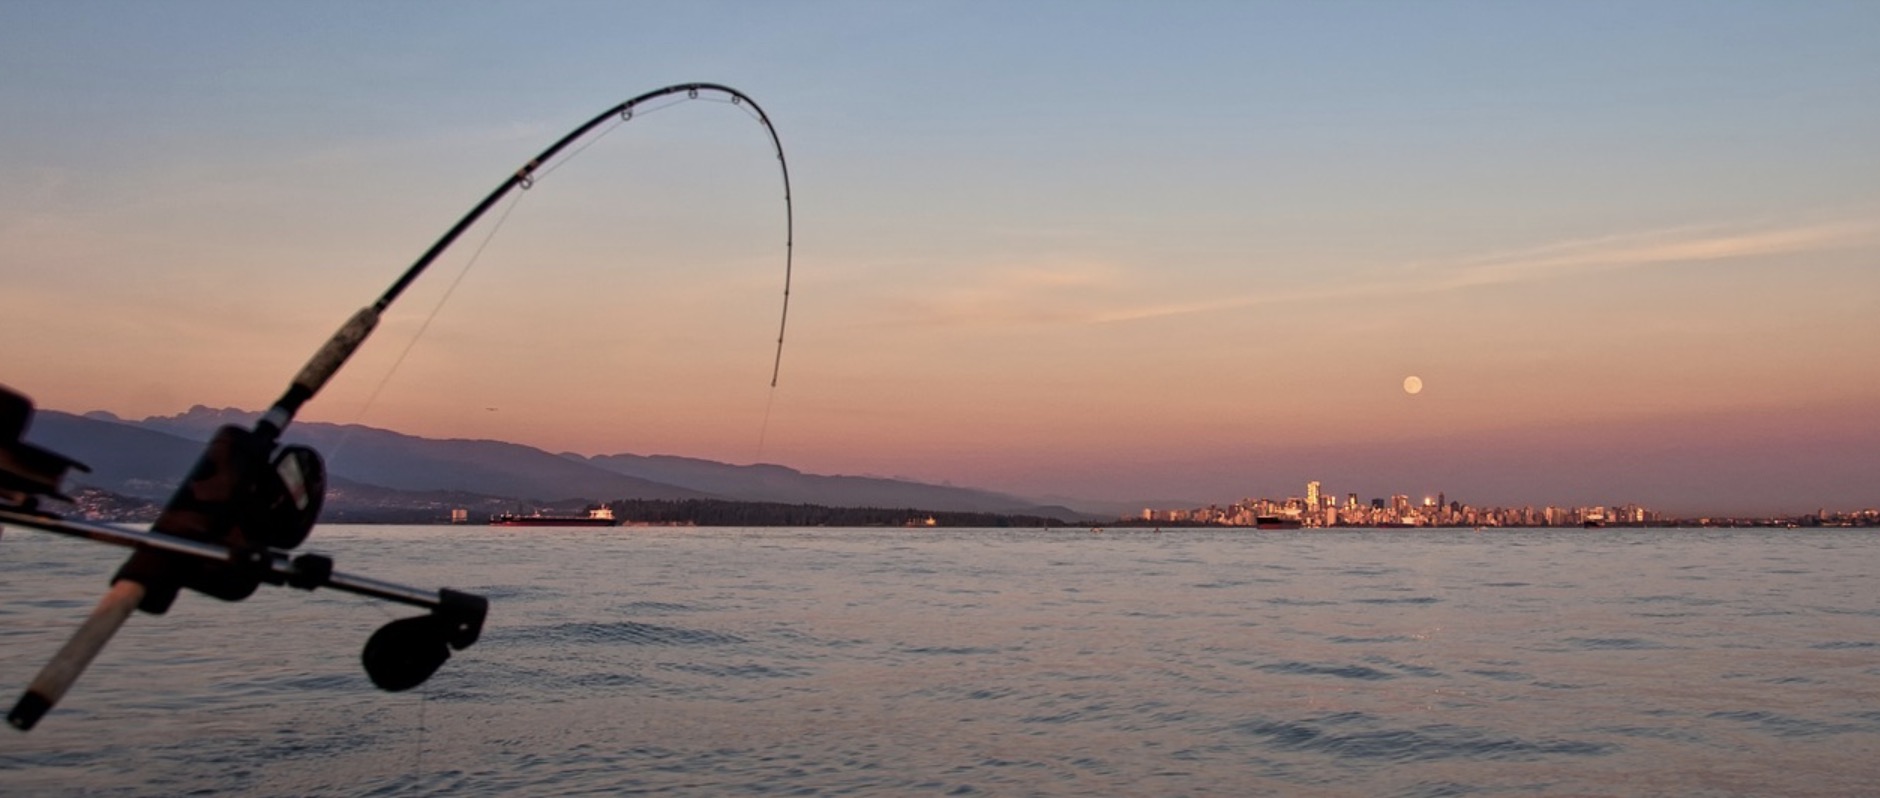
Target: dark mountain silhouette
{"points": [[775, 483], [409, 463], [378, 468], [123, 458]]}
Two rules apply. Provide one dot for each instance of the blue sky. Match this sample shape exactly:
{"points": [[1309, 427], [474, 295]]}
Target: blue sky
{"points": [[1114, 250]]}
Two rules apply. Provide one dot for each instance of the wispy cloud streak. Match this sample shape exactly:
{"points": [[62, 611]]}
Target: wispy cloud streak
{"points": [[1074, 292], [1549, 262]]}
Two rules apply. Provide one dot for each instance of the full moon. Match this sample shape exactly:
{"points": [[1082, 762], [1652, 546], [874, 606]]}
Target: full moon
{"points": [[1413, 385]]}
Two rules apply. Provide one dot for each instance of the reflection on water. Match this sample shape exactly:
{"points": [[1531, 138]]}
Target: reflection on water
{"points": [[1001, 662]]}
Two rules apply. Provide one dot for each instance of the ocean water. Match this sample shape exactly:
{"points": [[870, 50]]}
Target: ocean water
{"points": [[989, 662]]}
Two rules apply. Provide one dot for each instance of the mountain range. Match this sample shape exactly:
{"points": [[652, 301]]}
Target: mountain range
{"points": [[378, 468]]}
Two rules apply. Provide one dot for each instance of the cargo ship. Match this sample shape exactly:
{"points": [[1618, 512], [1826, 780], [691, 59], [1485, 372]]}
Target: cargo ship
{"points": [[599, 516]]}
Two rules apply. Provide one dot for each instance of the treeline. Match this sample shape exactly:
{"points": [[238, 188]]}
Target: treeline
{"points": [[721, 512]]}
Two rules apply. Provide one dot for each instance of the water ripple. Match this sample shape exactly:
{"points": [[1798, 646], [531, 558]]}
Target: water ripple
{"points": [[1292, 602], [1501, 675], [1422, 743], [1845, 645], [1779, 725], [953, 651], [749, 670], [618, 632], [655, 608], [1342, 639], [1359, 672], [1614, 643], [1410, 600]]}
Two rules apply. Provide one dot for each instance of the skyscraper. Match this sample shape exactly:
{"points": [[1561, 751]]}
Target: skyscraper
{"points": [[1312, 495]]}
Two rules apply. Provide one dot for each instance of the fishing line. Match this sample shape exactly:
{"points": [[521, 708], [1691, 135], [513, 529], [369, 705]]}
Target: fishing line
{"points": [[763, 429], [346, 435], [619, 119], [789, 244], [417, 764]]}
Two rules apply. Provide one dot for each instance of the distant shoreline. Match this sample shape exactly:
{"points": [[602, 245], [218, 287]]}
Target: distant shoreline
{"points": [[103, 506]]}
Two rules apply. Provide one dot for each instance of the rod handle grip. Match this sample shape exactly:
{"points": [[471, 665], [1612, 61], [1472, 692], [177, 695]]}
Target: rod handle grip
{"points": [[78, 652], [337, 349]]}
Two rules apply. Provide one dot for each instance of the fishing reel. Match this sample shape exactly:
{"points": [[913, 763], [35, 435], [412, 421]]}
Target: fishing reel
{"points": [[227, 530], [258, 501], [241, 494], [404, 653]]}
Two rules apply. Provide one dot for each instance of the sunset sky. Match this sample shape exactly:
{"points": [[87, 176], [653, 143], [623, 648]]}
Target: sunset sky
{"points": [[1183, 252]]}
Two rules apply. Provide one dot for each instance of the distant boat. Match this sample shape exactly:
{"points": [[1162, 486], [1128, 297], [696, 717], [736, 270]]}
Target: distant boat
{"points": [[1276, 522], [1593, 523], [599, 516]]}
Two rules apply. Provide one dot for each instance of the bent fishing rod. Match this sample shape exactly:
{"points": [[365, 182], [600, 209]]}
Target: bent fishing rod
{"points": [[249, 501]]}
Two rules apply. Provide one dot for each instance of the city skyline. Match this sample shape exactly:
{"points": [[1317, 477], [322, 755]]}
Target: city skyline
{"points": [[1069, 250], [1323, 509]]}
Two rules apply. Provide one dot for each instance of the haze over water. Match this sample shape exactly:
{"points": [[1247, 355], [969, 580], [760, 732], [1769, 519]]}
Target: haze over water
{"points": [[992, 662]]}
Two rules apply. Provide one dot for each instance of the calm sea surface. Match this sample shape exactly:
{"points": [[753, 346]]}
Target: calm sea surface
{"points": [[988, 662]]}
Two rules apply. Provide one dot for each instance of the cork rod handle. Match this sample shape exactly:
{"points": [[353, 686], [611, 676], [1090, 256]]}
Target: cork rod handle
{"points": [[65, 667]]}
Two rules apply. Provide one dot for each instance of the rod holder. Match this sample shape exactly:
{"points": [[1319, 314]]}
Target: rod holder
{"points": [[398, 657]]}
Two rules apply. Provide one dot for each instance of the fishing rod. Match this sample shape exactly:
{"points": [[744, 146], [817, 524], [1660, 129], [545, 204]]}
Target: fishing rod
{"points": [[249, 501]]}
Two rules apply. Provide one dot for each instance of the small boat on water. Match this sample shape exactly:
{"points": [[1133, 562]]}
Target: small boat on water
{"points": [[599, 516]]}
